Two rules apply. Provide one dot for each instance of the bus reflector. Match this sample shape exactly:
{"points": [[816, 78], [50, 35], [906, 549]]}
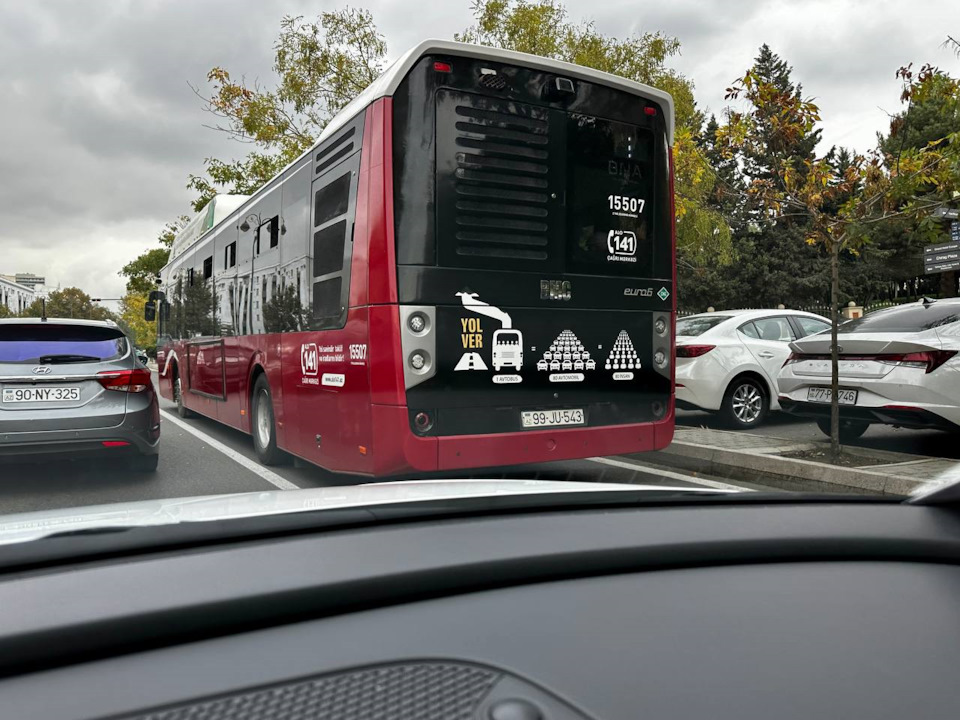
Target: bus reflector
{"points": [[115, 443], [362, 449], [650, 110], [442, 67]]}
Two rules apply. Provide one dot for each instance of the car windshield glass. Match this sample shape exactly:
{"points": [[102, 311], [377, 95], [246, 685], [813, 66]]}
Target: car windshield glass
{"points": [[56, 343], [468, 248], [693, 326], [915, 317]]}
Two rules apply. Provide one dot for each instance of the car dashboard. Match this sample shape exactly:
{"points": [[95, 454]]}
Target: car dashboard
{"points": [[724, 609]]}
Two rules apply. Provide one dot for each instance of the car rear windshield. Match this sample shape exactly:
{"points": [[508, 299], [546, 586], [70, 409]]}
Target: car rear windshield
{"points": [[693, 326], [906, 318], [51, 343]]}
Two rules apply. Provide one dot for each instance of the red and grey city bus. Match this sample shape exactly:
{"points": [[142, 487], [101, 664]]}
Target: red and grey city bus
{"points": [[473, 267]]}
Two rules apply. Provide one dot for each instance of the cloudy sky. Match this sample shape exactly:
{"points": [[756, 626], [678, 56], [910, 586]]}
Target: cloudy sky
{"points": [[100, 128]]}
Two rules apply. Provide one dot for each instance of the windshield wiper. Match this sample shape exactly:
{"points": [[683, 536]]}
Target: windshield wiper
{"points": [[68, 358]]}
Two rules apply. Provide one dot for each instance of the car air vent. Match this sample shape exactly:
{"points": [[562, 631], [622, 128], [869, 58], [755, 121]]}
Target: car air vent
{"points": [[335, 151], [502, 163]]}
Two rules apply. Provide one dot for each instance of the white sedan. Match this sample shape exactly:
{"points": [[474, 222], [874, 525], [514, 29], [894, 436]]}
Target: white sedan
{"points": [[729, 361], [898, 366]]}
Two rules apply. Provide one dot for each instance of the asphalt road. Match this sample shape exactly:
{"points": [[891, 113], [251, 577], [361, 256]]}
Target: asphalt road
{"points": [[935, 443], [202, 457]]}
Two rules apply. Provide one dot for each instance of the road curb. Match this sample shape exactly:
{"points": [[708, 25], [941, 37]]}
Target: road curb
{"points": [[753, 465]]}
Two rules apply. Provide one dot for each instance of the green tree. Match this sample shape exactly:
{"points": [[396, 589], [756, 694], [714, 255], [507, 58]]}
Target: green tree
{"points": [[930, 116], [840, 202], [70, 302], [142, 333], [142, 271], [320, 65], [6, 312], [771, 263]]}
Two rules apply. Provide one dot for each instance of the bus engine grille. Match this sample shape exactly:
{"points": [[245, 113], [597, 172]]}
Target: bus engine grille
{"points": [[501, 179]]}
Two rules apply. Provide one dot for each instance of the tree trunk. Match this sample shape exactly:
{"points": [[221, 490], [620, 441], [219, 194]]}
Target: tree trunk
{"points": [[834, 350]]}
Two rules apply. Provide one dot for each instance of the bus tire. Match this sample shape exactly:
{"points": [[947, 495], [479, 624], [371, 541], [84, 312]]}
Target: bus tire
{"points": [[182, 410], [263, 426]]}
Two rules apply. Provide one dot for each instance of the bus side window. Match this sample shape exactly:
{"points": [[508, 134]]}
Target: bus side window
{"points": [[333, 205]]}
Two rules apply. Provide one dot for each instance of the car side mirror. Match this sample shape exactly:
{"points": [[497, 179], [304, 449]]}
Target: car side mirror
{"points": [[150, 311]]}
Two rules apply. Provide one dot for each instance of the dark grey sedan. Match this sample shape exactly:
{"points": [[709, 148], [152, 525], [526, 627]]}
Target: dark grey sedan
{"points": [[74, 388]]}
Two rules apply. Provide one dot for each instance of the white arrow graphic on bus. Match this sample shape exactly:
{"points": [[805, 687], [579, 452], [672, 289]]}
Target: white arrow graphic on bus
{"points": [[507, 345]]}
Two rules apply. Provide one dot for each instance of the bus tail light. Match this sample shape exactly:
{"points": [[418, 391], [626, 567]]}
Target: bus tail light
{"points": [[132, 381], [418, 341]]}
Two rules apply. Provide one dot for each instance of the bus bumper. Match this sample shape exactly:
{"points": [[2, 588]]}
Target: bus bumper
{"points": [[401, 451]]}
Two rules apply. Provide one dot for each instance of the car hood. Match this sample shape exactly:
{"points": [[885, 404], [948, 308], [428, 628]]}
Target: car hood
{"points": [[34, 525]]}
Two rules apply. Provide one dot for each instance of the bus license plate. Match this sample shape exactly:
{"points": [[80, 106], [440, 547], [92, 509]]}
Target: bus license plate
{"points": [[822, 395], [40, 394], [551, 418]]}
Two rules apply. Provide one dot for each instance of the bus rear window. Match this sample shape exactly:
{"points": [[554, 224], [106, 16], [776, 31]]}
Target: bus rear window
{"points": [[609, 197]]}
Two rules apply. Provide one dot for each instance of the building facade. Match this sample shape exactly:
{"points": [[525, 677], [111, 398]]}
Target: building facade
{"points": [[15, 296]]}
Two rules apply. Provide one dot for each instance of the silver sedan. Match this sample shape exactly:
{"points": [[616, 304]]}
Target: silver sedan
{"points": [[74, 388]]}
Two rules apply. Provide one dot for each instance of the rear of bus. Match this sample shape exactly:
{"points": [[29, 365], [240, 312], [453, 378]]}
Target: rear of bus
{"points": [[535, 260]]}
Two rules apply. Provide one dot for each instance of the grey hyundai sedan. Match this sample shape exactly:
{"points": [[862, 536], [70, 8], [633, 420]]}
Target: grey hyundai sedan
{"points": [[74, 388]]}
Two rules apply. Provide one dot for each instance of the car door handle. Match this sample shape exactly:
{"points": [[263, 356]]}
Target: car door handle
{"points": [[766, 355]]}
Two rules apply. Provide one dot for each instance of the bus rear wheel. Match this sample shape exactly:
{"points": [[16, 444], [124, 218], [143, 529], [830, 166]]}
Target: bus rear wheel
{"points": [[264, 427], [182, 410]]}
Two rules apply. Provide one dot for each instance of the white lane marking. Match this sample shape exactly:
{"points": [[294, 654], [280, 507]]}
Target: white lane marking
{"points": [[268, 475], [670, 475]]}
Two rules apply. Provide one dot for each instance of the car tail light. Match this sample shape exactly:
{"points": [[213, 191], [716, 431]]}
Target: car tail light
{"points": [[792, 358], [133, 381], [928, 359], [692, 351]]}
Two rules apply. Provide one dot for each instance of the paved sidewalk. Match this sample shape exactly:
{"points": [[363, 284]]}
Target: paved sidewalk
{"points": [[745, 456]]}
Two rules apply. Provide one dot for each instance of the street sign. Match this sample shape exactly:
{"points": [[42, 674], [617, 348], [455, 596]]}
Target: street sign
{"points": [[946, 213], [941, 258], [955, 231]]}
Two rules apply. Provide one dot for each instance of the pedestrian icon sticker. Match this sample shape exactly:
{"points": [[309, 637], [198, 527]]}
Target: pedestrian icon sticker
{"points": [[471, 361], [622, 358], [566, 354]]}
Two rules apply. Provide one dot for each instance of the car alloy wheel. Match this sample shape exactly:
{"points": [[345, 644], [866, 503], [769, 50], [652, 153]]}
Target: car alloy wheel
{"points": [[747, 402]]}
